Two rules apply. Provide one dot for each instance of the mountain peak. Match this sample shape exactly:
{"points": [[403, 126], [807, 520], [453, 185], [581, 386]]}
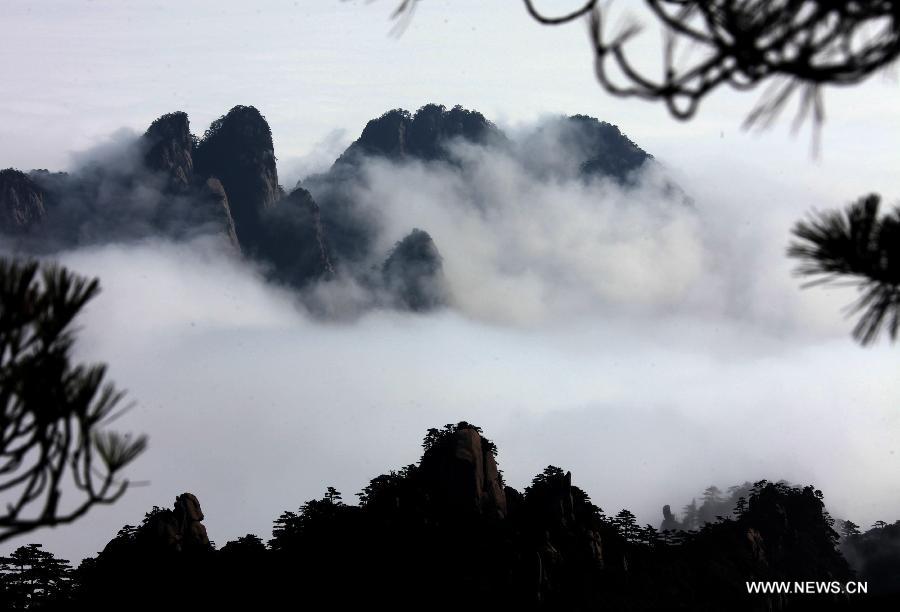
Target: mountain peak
{"points": [[169, 145], [399, 134], [237, 149], [413, 272]]}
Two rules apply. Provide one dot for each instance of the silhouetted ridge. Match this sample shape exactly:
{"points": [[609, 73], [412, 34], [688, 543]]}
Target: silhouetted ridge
{"points": [[713, 504], [875, 555], [398, 134], [448, 534]]}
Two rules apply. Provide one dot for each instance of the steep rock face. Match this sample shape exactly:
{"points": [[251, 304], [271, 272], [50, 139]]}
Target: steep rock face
{"points": [[190, 531], [164, 532], [567, 533], [669, 521], [413, 273], [213, 202], [168, 149], [463, 472], [190, 204], [293, 240], [237, 149], [21, 202], [179, 530]]}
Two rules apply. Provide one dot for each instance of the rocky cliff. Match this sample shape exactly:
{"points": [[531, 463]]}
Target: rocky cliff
{"points": [[171, 184], [237, 149], [462, 473], [168, 145], [21, 202], [293, 242]]}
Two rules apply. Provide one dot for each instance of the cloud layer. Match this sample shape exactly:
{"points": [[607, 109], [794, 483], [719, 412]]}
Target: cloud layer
{"points": [[652, 348]]}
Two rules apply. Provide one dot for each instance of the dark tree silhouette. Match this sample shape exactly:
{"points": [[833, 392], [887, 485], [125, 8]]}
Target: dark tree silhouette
{"points": [[856, 246], [52, 412], [31, 577], [849, 528], [650, 536], [410, 543], [248, 545], [627, 525], [796, 46], [292, 528], [712, 495], [333, 495], [740, 507]]}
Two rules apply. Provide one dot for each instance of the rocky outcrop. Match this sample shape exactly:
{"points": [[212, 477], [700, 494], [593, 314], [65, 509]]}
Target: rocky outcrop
{"points": [[21, 202], [462, 472], [413, 273], [213, 202], [237, 149], [567, 533], [168, 148], [293, 240], [188, 531], [163, 532], [190, 203], [200, 202], [669, 521]]}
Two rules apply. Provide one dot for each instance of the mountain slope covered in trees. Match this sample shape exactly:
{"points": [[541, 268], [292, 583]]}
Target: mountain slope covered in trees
{"points": [[448, 533]]}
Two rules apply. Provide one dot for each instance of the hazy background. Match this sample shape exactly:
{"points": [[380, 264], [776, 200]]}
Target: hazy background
{"points": [[651, 350]]}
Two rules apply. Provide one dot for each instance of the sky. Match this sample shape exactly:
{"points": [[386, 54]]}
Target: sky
{"points": [[652, 353]]}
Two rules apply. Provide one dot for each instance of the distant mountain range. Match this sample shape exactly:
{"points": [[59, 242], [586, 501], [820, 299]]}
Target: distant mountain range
{"points": [[176, 185]]}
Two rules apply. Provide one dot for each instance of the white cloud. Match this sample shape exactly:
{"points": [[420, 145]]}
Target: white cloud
{"points": [[731, 373]]}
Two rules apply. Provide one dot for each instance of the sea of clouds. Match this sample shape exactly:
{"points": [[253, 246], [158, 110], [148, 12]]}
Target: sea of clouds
{"points": [[650, 345]]}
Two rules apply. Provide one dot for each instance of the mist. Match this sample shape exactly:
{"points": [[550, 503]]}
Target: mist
{"points": [[651, 346]]}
